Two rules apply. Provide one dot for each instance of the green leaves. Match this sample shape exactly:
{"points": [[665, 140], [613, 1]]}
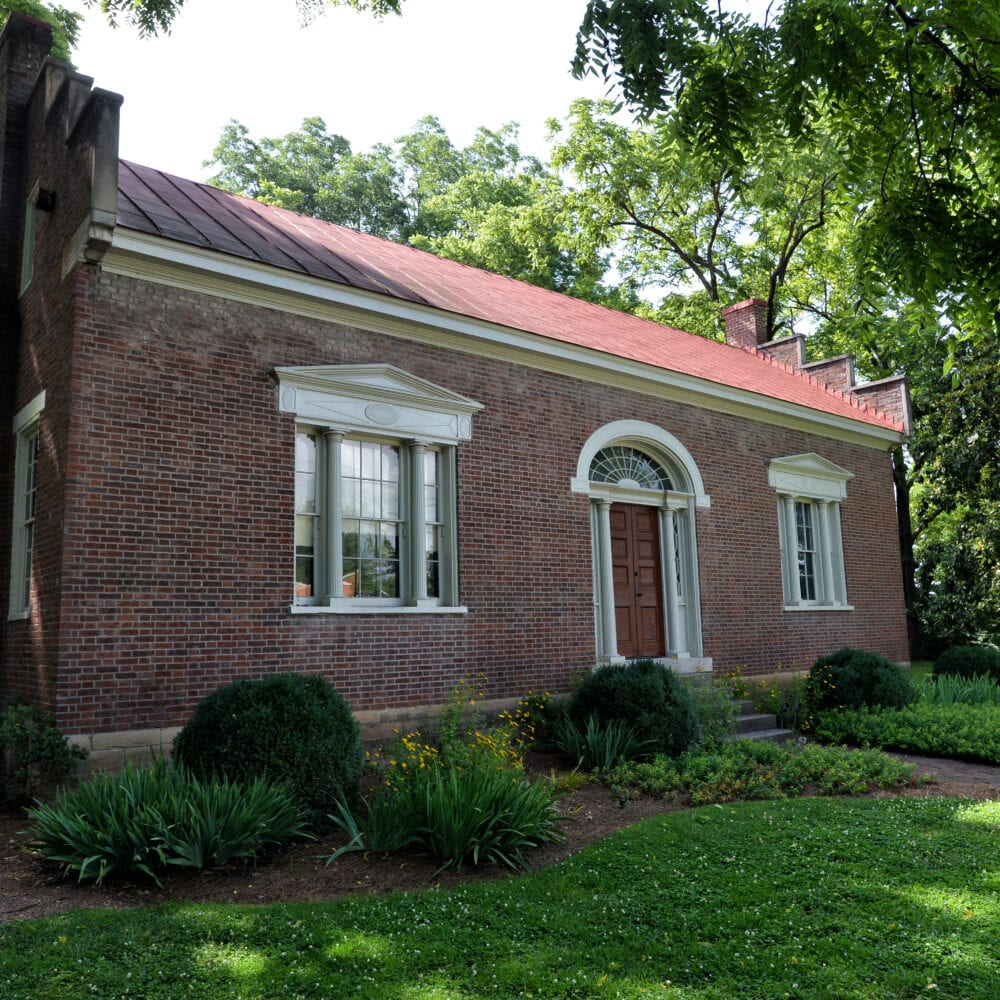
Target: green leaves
{"points": [[141, 820]]}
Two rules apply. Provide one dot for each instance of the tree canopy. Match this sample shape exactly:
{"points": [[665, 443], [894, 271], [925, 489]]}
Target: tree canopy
{"points": [[486, 204], [65, 23], [908, 89]]}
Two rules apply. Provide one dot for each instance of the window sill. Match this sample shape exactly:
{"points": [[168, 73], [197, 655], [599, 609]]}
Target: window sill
{"points": [[818, 607], [19, 616], [362, 609]]}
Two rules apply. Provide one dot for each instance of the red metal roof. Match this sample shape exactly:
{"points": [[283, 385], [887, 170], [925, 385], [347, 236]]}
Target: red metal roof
{"points": [[153, 202]]}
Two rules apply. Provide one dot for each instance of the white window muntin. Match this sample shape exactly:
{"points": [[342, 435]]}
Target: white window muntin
{"points": [[810, 489], [26, 432], [352, 402]]}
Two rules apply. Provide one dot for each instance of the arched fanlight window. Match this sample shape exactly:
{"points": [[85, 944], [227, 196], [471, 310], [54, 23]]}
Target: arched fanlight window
{"points": [[621, 465]]}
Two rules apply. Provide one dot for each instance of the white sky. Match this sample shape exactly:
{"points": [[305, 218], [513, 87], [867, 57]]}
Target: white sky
{"points": [[469, 62]]}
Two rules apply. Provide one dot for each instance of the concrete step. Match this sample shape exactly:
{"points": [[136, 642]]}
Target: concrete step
{"points": [[772, 735], [753, 725], [753, 721]]}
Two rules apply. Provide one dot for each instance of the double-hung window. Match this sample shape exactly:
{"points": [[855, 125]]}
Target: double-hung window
{"points": [[26, 423], [810, 490], [375, 488]]}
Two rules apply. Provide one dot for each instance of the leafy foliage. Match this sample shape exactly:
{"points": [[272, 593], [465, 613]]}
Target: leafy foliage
{"points": [[852, 678], [65, 23], [964, 732], [34, 751], [741, 770], [462, 798], [596, 745], [969, 661], [140, 821], [286, 728], [949, 689], [644, 695], [486, 205], [702, 231], [907, 88]]}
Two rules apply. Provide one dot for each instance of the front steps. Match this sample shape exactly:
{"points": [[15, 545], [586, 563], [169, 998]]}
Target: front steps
{"points": [[751, 725]]}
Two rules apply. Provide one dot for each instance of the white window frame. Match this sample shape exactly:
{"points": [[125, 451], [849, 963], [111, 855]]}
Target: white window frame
{"points": [[383, 404], [26, 430], [814, 482]]}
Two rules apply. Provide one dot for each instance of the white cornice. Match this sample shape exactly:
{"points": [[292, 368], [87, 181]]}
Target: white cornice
{"points": [[180, 265]]}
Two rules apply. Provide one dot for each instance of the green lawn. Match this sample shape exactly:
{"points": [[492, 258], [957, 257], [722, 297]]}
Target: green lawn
{"points": [[806, 898]]}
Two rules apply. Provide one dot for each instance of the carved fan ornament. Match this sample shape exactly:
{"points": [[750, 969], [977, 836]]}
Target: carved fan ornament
{"points": [[621, 465]]}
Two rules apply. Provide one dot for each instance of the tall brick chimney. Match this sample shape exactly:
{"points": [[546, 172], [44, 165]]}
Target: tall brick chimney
{"points": [[746, 323]]}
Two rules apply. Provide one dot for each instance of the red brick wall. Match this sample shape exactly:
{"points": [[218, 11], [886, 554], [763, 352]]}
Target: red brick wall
{"points": [[178, 522]]}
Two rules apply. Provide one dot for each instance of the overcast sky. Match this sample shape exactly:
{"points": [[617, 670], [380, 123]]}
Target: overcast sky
{"points": [[469, 62]]}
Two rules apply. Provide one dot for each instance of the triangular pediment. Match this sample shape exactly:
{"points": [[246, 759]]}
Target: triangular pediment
{"points": [[373, 398], [809, 475]]}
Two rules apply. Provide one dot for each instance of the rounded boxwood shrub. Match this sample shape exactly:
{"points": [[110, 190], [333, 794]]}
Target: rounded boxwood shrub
{"points": [[287, 729], [854, 678], [969, 661], [644, 695]]}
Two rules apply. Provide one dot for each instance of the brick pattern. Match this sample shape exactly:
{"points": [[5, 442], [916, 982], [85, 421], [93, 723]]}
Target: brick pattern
{"points": [[889, 396], [789, 351], [178, 522], [837, 373], [164, 542], [746, 323]]}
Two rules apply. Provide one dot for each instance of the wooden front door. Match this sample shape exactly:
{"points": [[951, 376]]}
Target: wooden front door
{"points": [[638, 580]]}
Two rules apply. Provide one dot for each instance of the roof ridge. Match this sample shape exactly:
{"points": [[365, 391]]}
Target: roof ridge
{"points": [[334, 253]]}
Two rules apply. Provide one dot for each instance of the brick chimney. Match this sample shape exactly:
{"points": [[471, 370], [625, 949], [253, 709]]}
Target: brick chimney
{"points": [[746, 323]]}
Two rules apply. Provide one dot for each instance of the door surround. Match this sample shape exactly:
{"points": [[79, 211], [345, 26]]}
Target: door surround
{"points": [[676, 497]]}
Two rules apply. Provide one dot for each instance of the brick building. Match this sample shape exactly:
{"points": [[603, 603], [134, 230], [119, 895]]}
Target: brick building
{"points": [[242, 441]]}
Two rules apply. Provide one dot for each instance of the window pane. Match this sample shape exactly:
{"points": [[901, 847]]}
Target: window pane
{"points": [[390, 500], [350, 497], [431, 548], [806, 551], [390, 464], [350, 459], [371, 460], [350, 538], [371, 503], [305, 473], [305, 552]]}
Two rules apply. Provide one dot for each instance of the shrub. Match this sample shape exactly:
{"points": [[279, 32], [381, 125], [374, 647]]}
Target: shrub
{"points": [[141, 820], [33, 750], [461, 797], [715, 707], [969, 661], [286, 728], [644, 695], [757, 769], [852, 678], [962, 732], [476, 813]]}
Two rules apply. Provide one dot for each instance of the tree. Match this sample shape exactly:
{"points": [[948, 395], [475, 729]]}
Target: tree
{"points": [[155, 17], [65, 23], [486, 205], [908, 89], [706, 231]]}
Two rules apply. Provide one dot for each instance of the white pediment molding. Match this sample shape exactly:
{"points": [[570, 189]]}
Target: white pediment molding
{"points": [[375, 399], [809, 475]]}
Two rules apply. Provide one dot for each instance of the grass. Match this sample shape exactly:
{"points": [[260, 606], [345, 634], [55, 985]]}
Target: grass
{"points": [[803, 898]]}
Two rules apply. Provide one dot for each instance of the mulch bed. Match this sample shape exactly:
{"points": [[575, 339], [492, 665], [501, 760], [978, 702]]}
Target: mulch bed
{"points": [[32, 888]]}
